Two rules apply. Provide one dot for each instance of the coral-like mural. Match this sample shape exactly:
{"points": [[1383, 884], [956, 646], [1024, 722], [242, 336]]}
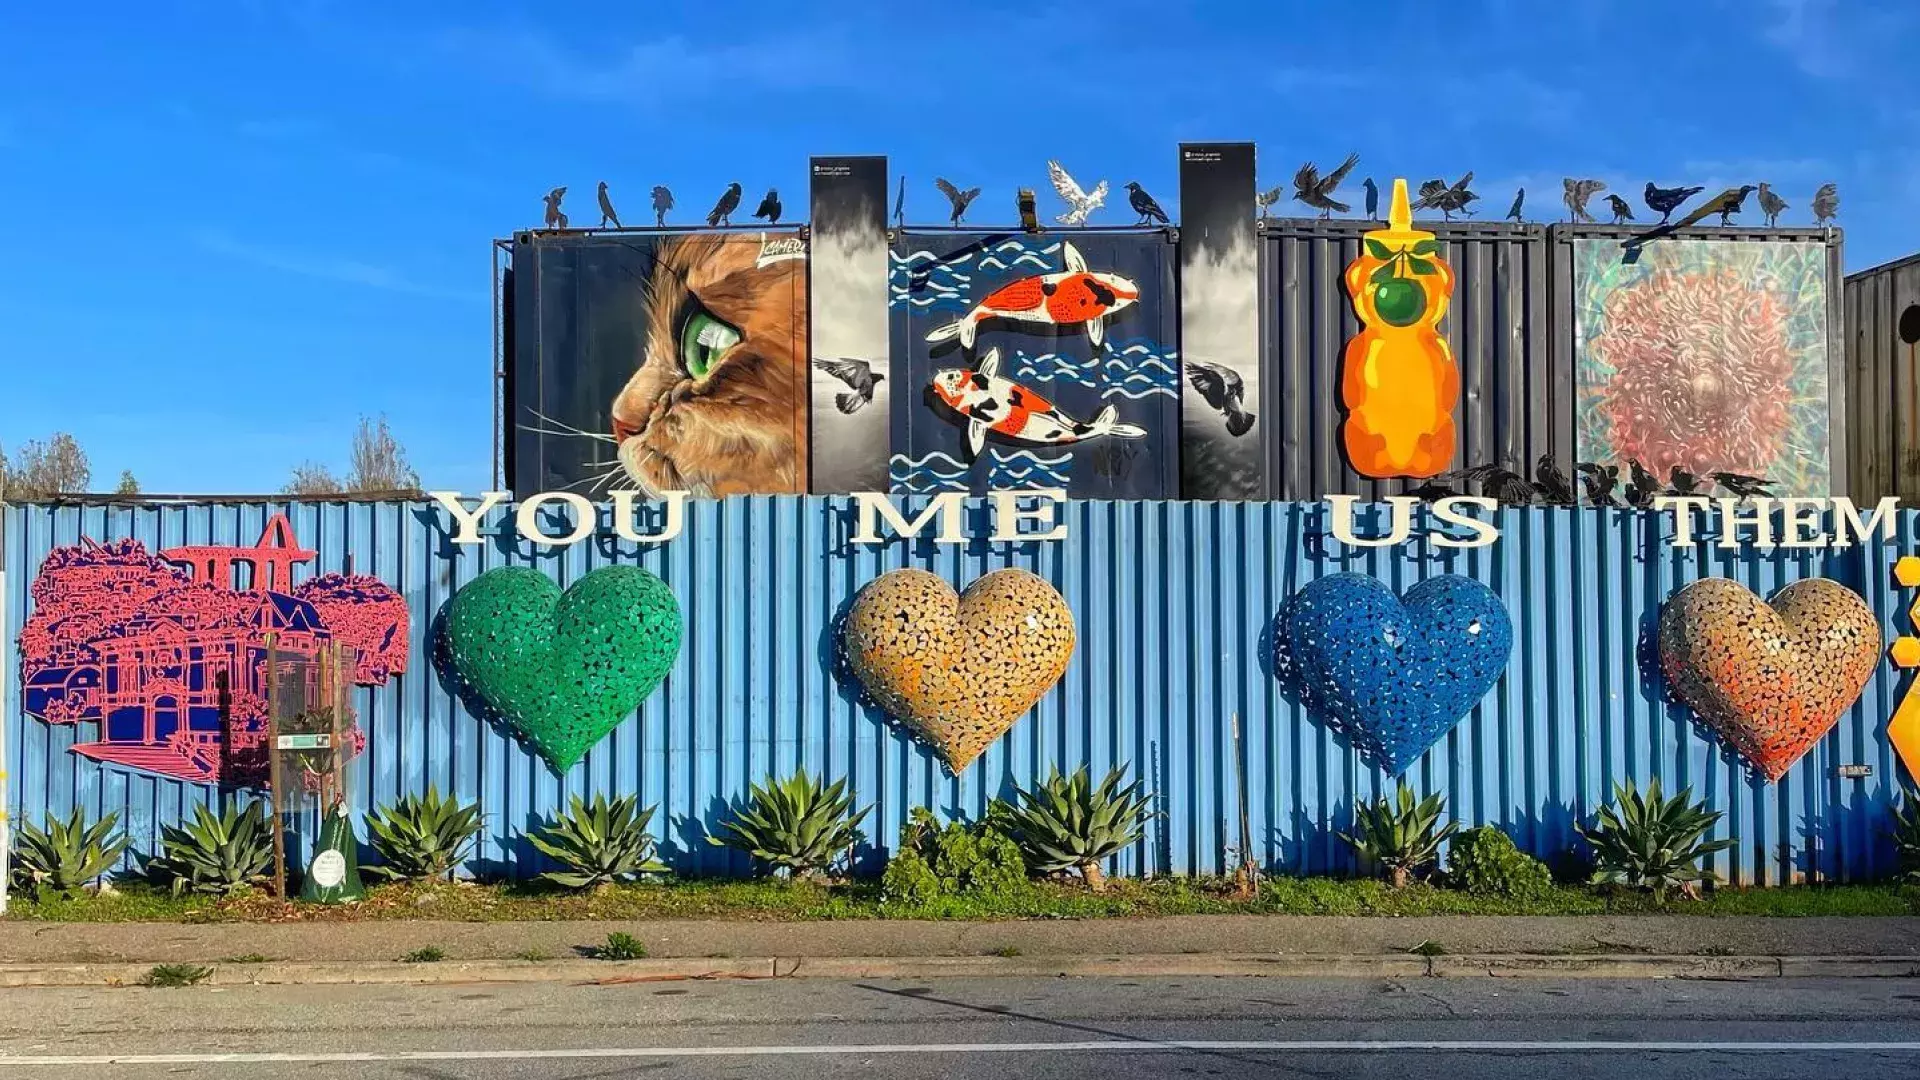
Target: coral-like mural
{"points": [[168, 653], [1709, 356]]}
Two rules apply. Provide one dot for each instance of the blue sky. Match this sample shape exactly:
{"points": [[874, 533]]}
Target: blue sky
{"points": [[240, 226]]}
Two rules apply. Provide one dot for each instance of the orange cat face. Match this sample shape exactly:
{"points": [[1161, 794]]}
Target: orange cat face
{"points": [[717, 403]]}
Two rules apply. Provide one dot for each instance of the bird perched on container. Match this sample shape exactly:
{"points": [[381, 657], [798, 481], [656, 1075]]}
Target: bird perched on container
{"points": [[1826, 204], [1513, 212], [769, 207], [1771, 204], [1740, 485], [1373, 199], [956, 199], [662, 202], [1577, 194], [1144, 205], [1432, 490], [1317, 191], [1509, 488], [1029, 210], [1682, 482], [606, 208], [1264, 200], [723, 210], [1666, 200], [1642, 486], [1621, 211], [1552, 483], [1222, 390], [556, 218], [900, 206], [1599, 482], [1449, 200], [1080, 203], [1726, 204], [859, 375]]}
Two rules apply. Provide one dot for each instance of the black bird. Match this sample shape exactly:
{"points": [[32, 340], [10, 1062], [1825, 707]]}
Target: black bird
{"points": [[1771, 205], [1029, 210], [1317, 191], [1509, 488], [723, 210], [1826, 204], [1643, 486], [556, 217], [1742, 486], [1553, 484], [1726, 204], [956, 198], [1144, 205], [1432, 490], [900, 206], [1682, 482], [1621, 211], [858, 374], [1264, 200], [662, 202], [1513, 212], [769, 207], [606, 208], [1373, 199], [1577, 194], [1437, 195], [1223, 391], [1599, 480], [1666, 200]]}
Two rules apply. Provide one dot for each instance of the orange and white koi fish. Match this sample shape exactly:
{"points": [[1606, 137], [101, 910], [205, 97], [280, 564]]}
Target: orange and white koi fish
{"points": [[1072, 297], [990, 403]]}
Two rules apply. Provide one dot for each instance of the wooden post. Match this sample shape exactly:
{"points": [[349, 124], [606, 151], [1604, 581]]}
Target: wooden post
{"points": [[1247, 877], [273, 768]]}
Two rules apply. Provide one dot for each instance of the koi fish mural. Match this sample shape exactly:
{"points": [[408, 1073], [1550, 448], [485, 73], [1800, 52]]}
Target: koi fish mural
{"points": [[988, 402], [1074, 297]]}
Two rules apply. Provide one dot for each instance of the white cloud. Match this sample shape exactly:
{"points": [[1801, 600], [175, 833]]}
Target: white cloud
{"points": [[323, 266]]}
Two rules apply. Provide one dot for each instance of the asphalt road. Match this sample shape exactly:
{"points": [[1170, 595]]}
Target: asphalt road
{"points": [[1005, 1029]]}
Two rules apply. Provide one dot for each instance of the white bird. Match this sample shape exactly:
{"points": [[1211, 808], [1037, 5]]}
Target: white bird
{"points": [[1079, 203]]}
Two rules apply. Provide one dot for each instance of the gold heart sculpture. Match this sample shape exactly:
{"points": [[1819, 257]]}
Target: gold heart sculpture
{"points": [[959, 670]]}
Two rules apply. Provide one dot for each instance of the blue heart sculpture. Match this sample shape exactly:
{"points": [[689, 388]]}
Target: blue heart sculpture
{"points": [[1392, 673]]}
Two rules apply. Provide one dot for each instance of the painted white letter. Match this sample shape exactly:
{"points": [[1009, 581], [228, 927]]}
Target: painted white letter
{"points": [[1340, 507], [1484, 532], [1682, 507], [623, 517], [1007, 514], [1847, 524], [584, 518], [468, 520], [947, 505], [1795, 520], [1762, 522]]}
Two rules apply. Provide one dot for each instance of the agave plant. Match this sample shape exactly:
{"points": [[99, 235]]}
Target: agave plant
{"points": [[799, 825], [220, 854], [1066, 823], [1401, 834], [599, 842], [1653, 842], [69, 855], [1906, 834], [422, 836]]}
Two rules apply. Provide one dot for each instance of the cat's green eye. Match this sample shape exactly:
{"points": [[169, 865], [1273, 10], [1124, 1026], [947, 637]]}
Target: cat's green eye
{"points": [[703, 341]]}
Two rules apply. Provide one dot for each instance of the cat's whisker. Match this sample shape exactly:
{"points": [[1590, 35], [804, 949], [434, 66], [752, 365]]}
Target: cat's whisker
{"points": [[600, 477], [566, 428], [570, 434]]}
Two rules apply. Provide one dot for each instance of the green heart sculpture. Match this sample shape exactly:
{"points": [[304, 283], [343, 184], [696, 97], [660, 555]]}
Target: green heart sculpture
{"points": [[563, 670]]}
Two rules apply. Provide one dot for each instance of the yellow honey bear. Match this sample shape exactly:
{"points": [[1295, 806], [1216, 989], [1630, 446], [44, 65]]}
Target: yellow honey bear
{"points": [[1400, 382]]}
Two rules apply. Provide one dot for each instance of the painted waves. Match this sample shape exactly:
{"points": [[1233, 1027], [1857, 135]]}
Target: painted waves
{"points": [[924, 281], [1134, 368], [935, 471]]}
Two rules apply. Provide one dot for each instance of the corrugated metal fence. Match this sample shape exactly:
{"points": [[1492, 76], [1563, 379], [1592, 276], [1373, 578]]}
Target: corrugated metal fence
{"points": [[1174, 602]]}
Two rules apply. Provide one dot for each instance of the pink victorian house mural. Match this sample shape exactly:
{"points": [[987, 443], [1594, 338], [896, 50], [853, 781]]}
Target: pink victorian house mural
{"points": [[167, 654]]}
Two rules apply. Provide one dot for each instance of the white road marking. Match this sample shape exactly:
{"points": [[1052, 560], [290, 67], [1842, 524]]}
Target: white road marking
{"points": [[1132, 1046]]}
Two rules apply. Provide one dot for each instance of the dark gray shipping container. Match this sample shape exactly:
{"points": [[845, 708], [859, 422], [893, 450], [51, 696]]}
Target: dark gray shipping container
{"points": [[1563, 236], [1883, 381], [1514, 404]]}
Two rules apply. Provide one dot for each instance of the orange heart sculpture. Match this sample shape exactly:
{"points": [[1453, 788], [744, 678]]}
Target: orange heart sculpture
{"points": [[1770, 678], [959, 670]]}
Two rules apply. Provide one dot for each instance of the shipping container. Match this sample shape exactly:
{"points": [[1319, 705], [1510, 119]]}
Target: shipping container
{"points": [[1883, 381], [1514, 404], [1170, 651]]}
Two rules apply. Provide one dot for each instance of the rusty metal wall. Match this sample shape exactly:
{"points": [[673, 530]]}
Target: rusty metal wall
{"points": [[1882, 326], [1515, 405]]}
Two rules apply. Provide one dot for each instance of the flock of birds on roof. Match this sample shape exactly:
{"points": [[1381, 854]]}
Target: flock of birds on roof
{"points": [[1310, 188], [1600, 483]]}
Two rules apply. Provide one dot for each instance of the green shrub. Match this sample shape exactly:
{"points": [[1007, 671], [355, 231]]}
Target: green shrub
{"points": [[222, 855], [599, 842], [1485, 862], [1066, 823], [1400, 834], [936, 861], [66, 856], [1652, 842], [422, 836], [167, 976], [798, 825], [425, 954], [621, 945], [1906, 834]]}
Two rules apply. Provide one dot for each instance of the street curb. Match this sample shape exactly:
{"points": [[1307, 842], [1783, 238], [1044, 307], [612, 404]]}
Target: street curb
{"points": [[610, 973]]}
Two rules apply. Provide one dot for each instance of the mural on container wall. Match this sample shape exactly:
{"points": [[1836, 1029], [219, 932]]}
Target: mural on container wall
{"points": [[1770, 678], [959, 670], [1035, 362], [1221, 452], [1903, 729], [1392, 673], [660, 363], [562, 670], [847, 291], [1705, 356], [1399, 382], [168, 653]]}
